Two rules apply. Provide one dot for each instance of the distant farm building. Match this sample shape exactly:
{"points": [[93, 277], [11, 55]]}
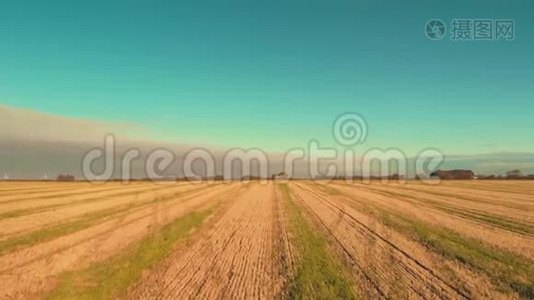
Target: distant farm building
{"points": [[453, 174]]}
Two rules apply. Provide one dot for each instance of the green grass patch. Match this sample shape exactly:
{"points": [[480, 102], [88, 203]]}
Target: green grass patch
{"points": [[57, 230], [507, 271], [33, 210], [497, 221], [318, 274], [111, 278], [73, 192], [28, 211], [327, 189], [80, 223], [469, 198]]}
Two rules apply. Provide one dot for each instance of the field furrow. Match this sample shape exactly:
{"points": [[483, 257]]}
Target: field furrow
{"points": [[31, 270], [507, 234], [231, 260], [28, 222], [388, 263], [299, 239]]}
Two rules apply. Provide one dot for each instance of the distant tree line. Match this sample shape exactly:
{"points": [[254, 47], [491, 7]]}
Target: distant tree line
{"points": [[469, 174], [456, 174], [513, 174]]}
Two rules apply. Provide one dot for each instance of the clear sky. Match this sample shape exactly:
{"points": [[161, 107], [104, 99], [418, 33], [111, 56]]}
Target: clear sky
{"points": [[275, 73]]}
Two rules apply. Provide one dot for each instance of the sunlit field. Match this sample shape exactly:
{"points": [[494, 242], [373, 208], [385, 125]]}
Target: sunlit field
{"points": [[296, 239]]}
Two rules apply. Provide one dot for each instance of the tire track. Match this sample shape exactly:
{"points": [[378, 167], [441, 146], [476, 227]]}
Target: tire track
{"points": [[485, 232], [361, 271], [425, 278]]}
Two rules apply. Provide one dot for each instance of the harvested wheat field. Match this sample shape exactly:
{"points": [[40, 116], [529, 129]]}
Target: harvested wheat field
{"points": [[263, 240]]}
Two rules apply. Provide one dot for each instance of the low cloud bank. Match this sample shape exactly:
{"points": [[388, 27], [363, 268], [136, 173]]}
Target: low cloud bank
{"points": [[34, 144]]}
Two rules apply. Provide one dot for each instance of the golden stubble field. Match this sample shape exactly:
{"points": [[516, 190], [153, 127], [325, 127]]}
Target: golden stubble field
{"points": [[298, 239]]}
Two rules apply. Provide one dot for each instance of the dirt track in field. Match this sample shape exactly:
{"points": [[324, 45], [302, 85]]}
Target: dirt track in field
{"points": [[233, 259], [243, 250]]}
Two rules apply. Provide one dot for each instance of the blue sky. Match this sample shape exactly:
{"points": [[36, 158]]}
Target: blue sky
{"points": [[273, 75]]}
